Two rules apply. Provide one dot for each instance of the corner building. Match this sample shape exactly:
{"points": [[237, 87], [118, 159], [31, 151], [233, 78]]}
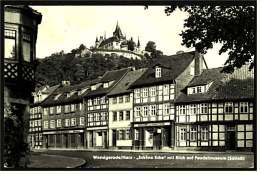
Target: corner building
{"points": [[154, 95], [215, 111]]}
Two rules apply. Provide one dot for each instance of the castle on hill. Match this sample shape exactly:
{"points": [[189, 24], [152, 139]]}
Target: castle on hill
{"points": [[118, 45]]}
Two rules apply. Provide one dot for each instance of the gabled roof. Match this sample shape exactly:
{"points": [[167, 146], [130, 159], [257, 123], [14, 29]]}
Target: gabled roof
{"points": [[108, 40], [172, 67], [63, 90], [123, 86], [223, 87], [114, 75]]}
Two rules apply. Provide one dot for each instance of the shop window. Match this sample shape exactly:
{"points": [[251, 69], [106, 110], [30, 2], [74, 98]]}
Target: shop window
{"points": [[183, 134], [137, 134], [10, 44], [127, 134]]}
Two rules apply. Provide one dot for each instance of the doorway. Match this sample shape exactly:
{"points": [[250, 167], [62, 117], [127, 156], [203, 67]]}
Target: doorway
{"points": [[114, 138], [231, 138]]}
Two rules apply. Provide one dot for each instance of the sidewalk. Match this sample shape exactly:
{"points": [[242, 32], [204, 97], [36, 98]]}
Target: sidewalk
{"points": [[150, 151], [54, 161]]}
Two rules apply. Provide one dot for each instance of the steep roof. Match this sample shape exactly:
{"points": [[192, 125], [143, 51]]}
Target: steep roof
{"points": [[108, 40], [172, 67], [123, 86], [223, 87], [63, 90], [109, 76]]}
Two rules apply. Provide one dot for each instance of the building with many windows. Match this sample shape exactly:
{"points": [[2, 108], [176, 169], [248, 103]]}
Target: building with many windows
{"points": [[97, 108], [121, 111], [35, 120], [64, 116], [154, 95], [216, 111]]}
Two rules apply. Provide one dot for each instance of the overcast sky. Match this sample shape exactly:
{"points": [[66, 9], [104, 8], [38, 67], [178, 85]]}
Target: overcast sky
{"points": [[66, 27]]}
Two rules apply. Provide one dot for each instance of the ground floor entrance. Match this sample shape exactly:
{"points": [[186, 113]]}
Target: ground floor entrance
{"points": [[97, 138], [153, 136]]}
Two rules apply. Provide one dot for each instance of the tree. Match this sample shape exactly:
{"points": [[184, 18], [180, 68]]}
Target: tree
{"points": [[233, 26], [131, 44], [150, 46]]}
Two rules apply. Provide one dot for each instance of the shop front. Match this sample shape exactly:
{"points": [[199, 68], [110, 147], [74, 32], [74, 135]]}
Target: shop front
{"points": [[69, 139], [97, 138], [153, 135]]}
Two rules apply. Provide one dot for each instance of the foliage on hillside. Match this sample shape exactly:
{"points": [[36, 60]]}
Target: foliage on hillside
{"points": [[59, 66]]}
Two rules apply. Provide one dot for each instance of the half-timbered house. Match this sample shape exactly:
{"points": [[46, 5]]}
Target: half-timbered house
{"points": [[216, 111], [154, 95], [64, 117]]}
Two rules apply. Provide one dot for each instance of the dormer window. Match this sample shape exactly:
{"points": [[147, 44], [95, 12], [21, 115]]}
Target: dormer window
{"points": [[158, 72], [57, 97], [105, 85], [93, 87], [197, 89]]}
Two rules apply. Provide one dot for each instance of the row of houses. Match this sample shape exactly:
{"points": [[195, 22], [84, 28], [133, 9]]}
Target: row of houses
{"points": [[175, 103]]}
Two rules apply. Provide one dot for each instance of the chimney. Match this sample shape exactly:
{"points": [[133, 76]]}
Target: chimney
{"points": [[65, 83], [198, 64]]}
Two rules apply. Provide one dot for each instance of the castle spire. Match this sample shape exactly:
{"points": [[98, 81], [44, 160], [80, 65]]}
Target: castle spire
{"points": [[118, 33], [138, 43]]}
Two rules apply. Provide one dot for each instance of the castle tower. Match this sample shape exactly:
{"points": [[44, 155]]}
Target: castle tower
{"points": [[118, 33]]}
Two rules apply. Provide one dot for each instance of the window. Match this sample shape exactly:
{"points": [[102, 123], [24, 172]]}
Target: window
{"points": [[228, 107], [58, 109], [243, 107], [193, 134], [96, 101], [199, 89], [137, 134], [166, 108], [114, 100], [138, 111], [127, 98], [204, 133], [193, 90], [39, 123], [145, 111], [193, 109], [80, 106], [58, 123], [46, 124], [93, 87], [52, 124], [166, 90], [182, 109], [90, 102], [67, 122], [145, 92], [204, 108], [51, 110], [127, 117], [121, 115], [158, 72], [102, 100], [67, 108], [26, 46], [121, 134], [45, 111], [183, 134], [153, 110], [10, 44], [105, 85], [57, 96], [36, 123], [137, 93], [121, 99], [73, 121], [153, 91], [72, 107], [114, 116], [82, 121], [127, 134]]}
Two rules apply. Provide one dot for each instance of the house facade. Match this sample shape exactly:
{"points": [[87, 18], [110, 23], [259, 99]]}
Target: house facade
{"points": [[63, 117], [121, 111], [97, 105], [216, 111], [35, 119], [154, 95]]}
